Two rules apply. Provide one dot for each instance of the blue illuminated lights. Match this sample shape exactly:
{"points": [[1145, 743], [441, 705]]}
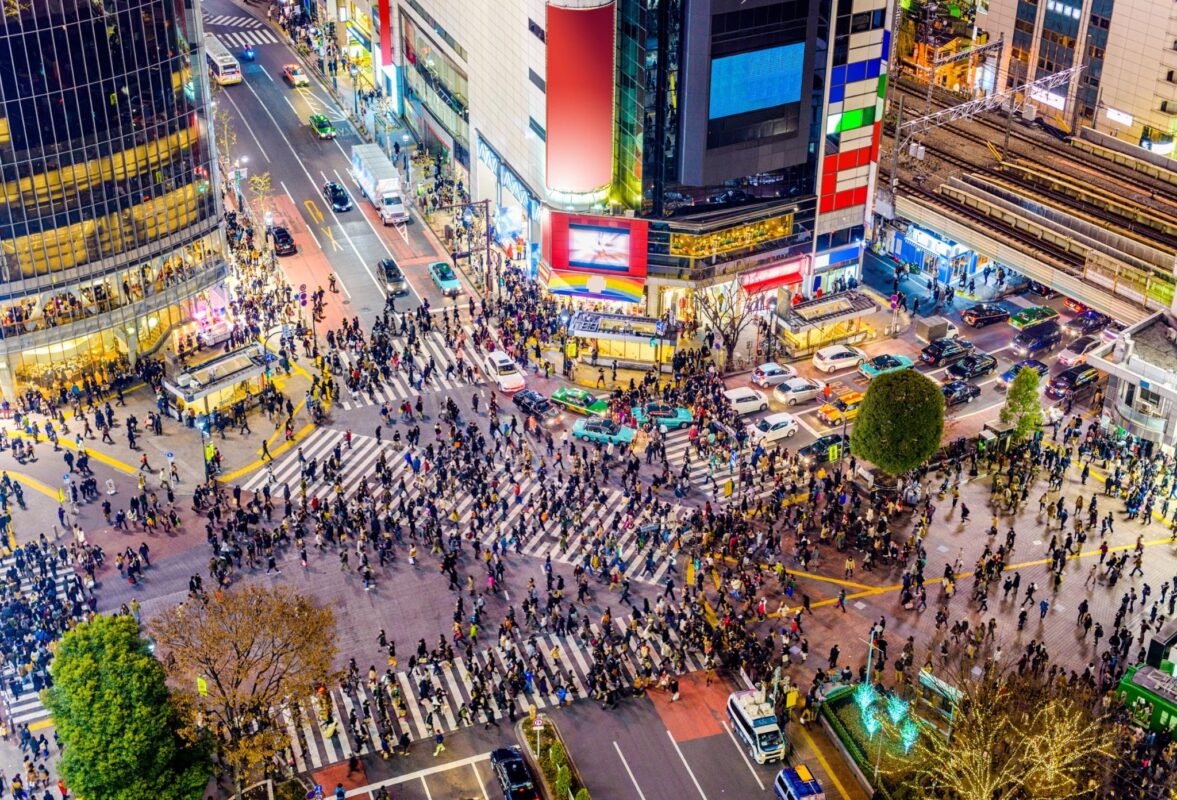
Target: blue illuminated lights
{"points": [[756, 80]]}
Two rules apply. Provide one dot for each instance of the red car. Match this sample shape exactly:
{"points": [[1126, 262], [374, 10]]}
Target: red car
{"points": [[1074, 305]]}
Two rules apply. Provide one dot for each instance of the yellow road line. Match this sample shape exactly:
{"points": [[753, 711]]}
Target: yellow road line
{"points": [[110, 461], [824, 764], [30, 481], [282, 448]]}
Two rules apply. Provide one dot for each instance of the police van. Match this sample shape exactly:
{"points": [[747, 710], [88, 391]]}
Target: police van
{"points": [[754, 721], [797, 783]]}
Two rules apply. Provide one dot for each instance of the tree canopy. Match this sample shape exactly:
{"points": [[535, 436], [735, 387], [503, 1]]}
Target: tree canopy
{"points": [[110, 704], [1023, 407], [237, 659], [900, 422]]}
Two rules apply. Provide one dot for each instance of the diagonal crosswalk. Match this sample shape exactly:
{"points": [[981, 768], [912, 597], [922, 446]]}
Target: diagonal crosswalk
{"points": [[231, 21], [614, 534], [708, 473], [247, 38], [369, 716], [405, 384]]}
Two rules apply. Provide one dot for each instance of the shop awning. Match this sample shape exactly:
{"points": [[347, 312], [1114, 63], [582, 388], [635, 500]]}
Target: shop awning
{"points": [[769, 278], [829, 310]]}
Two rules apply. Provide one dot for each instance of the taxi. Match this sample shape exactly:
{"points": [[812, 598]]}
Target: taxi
{"points": [[322, 126], [293, 74], [580, 401], [665, 417], [842, 409]]}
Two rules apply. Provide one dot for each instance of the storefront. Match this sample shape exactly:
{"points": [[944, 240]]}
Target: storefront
{"points": [[219, 383], [516, 219], [810, 325], [631, 341], [356, 47], [766, 285], [948, 261], [435, 100], [597, 263]]}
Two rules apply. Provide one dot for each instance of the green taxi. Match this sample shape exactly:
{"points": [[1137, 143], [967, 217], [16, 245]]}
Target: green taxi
{"points": [[1032, 316], [322, 126], [580, 401]]}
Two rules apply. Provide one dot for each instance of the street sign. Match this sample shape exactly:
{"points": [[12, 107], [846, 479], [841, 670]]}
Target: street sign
{"points": [[660, 327], [653, 342], [170, 456], [894, 302], [538, 723], [65, 478], [834, 451]]}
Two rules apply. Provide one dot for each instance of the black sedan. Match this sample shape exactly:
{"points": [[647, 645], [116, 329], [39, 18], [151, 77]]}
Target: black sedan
{"points": [[533, 403], [337, 196], [1040, 289], [946, 351], [1090, 321], [983, 314], [283, 242], [973, 366], [957, 392], [823, 449], [513, 774]]}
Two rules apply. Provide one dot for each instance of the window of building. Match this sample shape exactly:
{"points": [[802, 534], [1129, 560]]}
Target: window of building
{"points": [[537, 31], [537, 129], [537, 80]]}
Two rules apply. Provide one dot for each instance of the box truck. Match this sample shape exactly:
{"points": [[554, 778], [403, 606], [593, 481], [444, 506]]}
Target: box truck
{"points": [[379, 182]]}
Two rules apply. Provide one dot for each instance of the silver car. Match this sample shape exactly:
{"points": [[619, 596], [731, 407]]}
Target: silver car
{"points": [[798, 390]]}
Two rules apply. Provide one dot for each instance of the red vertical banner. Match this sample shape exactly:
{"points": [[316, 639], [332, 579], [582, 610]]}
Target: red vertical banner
{"points": [[386, 34], [580, 65]]}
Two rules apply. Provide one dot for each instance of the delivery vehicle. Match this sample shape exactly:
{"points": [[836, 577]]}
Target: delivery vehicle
{"points": [[797, 783], [929, 329], [754, 722], [379, 182]]}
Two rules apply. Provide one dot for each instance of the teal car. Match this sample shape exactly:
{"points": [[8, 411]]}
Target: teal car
{"points": [[442, 275], [580, 401], [881, 365], [664, 416], [1032, 316], [602, 430]]}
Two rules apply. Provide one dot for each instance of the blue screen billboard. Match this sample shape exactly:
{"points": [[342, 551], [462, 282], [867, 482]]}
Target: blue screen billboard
{"points": [[756, 80]]}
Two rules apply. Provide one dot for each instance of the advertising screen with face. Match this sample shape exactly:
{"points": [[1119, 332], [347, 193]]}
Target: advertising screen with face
{"points": [[599, 248]]}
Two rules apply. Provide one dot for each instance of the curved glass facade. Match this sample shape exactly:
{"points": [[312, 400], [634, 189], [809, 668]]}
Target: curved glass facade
{"points": [[109, 225]]}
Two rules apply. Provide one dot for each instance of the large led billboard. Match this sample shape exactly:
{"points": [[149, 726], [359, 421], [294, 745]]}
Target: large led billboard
{"points": [[592, 244], [579, 95], [756, 80]]}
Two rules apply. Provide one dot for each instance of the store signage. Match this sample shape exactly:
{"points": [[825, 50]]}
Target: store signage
{"points": [[930, 243], [506, 176], [1118, 116]]}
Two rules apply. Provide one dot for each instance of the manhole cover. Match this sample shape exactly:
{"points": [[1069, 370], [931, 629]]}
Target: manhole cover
{"points": [[364, 309], [347, 302]]}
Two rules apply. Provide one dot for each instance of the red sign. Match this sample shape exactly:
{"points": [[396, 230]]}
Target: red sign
{"points": [[766, 278], [596, 245], [385, 33], [579, 95]]}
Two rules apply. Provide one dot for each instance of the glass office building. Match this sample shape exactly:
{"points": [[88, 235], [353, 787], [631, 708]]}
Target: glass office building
{"points": [[109, 229]]}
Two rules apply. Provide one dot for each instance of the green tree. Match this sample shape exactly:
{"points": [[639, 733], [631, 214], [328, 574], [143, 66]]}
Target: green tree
{"points": [[118, 728], [583, 794], [1023, 408], [563, 781], [900, 422]]}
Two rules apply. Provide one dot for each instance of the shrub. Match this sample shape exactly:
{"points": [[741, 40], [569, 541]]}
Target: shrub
{"points": [[556, 755], [563, 781]]}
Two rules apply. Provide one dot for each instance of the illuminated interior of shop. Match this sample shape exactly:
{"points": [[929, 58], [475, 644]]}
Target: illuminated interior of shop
{"points": [[814, 337], [623, 350], [688, 245]]}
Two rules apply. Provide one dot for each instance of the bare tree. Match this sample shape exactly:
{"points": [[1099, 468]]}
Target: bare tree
{"points": [[261, 185], [726, 310]]}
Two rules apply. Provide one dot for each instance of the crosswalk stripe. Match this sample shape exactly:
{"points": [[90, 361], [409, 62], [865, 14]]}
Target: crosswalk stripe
{"points": [[292, 734]]}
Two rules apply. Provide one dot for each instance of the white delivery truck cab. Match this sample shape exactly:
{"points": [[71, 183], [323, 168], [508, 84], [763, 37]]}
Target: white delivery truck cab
{"points": [[380, 183], [754, 722], [797, 783]]}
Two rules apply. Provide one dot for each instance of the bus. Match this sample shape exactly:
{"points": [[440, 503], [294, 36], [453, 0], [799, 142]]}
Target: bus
{"points": [[222, 66]]}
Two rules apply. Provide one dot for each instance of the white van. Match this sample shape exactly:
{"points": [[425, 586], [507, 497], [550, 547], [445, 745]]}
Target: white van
{"points": [[754, 721], [506, 372]]}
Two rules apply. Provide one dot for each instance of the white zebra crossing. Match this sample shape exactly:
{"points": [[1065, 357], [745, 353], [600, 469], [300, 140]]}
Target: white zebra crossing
{"points": [[250, 38], [231, 21]]}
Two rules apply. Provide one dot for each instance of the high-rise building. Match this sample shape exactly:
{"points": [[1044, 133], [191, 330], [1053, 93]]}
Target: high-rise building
{"points": [[1128, 51], [646, 149], [109, 226]]}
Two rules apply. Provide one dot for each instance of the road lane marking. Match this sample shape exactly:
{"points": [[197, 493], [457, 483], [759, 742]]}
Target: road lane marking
{"points": [[821, 759], [688, 767], [248, 127], [265, 72], [334, 244], [307, 172], [313, 209], [744, 756], [629, 771], [425, 786], [481, 783], [365, 791]]}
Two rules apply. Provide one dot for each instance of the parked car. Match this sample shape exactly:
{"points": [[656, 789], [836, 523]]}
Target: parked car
{"points": [[773, 428], [531, 402], [336, 196], [983, 314], [881, 365], [1040, 289], [946, 351], [1089, 321], [444, 279], [322, 126], [958, 391], [798, 390], [596, 429], [837, 356], [283, 242], [746, 401], [973, 365], [394, 279], [506, 372], [772, 373], [822, 449], [1007, 377], [665, 417], [1032, 316], [580, 401], [1074, 305], [293, 74], [1076, 352], [1073, 381], [843, 408], [1037, 339], [513, 774]]}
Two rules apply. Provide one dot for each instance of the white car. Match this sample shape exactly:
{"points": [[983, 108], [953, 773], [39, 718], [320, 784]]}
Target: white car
{"points": [[1076, 352], [746, 401], [837, 356], [798, 390], [772, 373], [506, 372], [774, 428]]}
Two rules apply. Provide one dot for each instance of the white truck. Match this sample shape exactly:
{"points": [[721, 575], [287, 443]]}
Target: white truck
{"points": [[379, 182]]}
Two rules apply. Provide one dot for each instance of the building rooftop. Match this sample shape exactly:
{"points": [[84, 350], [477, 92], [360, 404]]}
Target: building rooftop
{"points": [[1155, 342]]}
